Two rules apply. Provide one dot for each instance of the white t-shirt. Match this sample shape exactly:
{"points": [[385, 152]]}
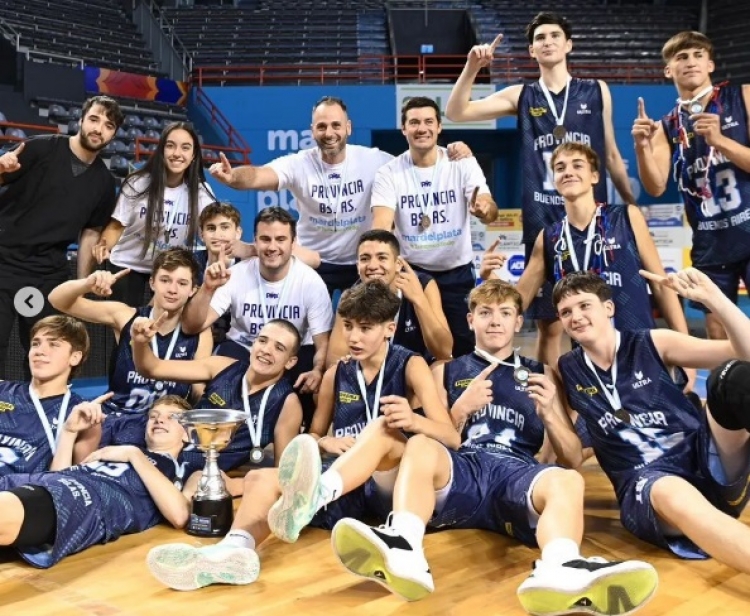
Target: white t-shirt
{"points": [[441, 192], [131, 213], [333, 200], [302, 295]]}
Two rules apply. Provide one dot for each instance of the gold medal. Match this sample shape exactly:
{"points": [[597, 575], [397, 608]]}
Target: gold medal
{"points": [[622, 415], [559, 132]]}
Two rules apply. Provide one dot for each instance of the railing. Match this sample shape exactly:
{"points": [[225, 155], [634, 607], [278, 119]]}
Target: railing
{"points": [[9, 140], [417, 68], [218, 120], [142, 153], [169, 31]]}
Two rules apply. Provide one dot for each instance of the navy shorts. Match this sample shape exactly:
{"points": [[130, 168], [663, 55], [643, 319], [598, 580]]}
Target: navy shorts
{"points": [[361, 503], [491, 492], [727, 278], [455, 285], [696, 461]]}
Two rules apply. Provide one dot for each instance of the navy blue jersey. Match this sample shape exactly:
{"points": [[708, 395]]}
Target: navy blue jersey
{"points": [[614, 256], [540, 202], [24, 447], [510, 425], [408, 330], [225, 392], [721, 221], [97, 503], [124, 429], [661, 416], [135, 393], [349, 412]]}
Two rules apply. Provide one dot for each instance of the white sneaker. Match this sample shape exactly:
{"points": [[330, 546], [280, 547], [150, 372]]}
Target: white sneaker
{"points": [[588, 586], [381, 554], [299, 480], [185, 567]]}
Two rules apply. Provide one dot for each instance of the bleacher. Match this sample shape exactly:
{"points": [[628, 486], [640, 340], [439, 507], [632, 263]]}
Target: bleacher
{"points": [[95, 31], [338, 32], [727, 28]]}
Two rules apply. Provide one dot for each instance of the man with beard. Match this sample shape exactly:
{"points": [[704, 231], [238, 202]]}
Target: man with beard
{"points": [[58, 192], [273, 285], [331, 184]]}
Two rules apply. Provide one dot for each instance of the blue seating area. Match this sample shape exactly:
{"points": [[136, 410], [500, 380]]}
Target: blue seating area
{"points": [[727, 27], [97, 31]]}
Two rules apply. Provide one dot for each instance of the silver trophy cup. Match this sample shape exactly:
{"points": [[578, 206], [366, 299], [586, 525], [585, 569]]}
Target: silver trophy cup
{"points": [[211, 430]]}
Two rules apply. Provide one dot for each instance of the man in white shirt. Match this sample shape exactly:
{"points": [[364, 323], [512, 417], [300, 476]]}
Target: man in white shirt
{"points": [[273, 285], [331, 184], [429, 199]]}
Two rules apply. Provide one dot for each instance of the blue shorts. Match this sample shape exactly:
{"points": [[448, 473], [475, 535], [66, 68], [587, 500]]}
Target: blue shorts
{"points": [[455, 285], [727, 278], [541, 307], [491, 492], [696, 461], [363, 503]]}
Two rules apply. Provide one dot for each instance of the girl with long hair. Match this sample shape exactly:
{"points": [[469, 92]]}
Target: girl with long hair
{"points": [[158, 208]]}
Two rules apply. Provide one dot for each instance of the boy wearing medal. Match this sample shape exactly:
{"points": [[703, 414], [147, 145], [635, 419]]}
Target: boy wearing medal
{"points": [[501, 403], [704, 145], [257, 385], [421, 325], [117, 488], [273, 285], [59, 346], [610, 239], [173, 282], [680, 474], [371, 393], [429, 200], [555, 109]]}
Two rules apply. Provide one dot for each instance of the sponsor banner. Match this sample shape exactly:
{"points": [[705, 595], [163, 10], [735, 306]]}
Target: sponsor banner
{"points": [[440, 93], [670, 237], [664, 214]]}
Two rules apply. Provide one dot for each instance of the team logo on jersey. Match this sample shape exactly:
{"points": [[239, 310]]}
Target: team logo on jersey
{"points": [[584, 110], [409, 326], [216, 399], [425, 184], [346, 397], [589, 391], [334, 176], [729, 123], [612, 244], [463, 383], [639, 380], [537, 112], [6, 406]]}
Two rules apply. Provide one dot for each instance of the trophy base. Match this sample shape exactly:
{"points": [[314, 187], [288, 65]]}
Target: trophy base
{"points": [[211, 518]]}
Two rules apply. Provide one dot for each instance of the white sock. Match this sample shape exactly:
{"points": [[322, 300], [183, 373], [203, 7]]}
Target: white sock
{"points": [[559, 551], [410, 526], [238, 538], [333, 486]]}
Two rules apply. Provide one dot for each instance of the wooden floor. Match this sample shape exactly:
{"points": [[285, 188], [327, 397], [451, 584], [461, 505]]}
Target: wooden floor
{"points": [[475, 572]]}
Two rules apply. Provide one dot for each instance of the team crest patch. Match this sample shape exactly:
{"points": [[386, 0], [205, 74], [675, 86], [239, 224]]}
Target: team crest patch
{"points": [[346, 397], [216, 399], [589, 391]]}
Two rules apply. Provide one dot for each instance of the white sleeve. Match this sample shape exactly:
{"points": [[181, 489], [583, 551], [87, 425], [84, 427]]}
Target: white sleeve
{"points": [[285, 167], [384, 158], [319, 308], [473, 176], [222, 299], [384, 189], [124, 209]]}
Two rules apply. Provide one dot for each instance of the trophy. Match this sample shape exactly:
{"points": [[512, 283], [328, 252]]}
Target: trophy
{"points": [[211, 430]]}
